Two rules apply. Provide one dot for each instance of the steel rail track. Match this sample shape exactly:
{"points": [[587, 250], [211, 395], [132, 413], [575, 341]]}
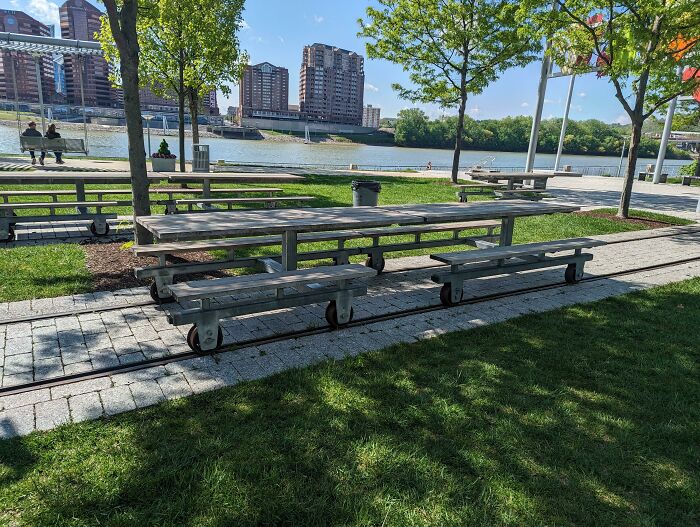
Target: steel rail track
{"points": [[149, 363]]}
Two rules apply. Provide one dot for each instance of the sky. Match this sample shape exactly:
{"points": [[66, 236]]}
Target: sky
{"points": [[276, 31]]}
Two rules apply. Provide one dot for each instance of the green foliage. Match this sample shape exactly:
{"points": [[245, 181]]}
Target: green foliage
{"points": [[163, 148], [511, 134], [689, 170]]}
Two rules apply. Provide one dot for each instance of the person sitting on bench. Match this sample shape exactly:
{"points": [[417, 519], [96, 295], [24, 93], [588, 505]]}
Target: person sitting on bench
{"points": [[51, 133], [31, 131]]}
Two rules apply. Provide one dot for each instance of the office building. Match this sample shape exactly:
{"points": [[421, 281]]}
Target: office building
{"points": [[331, 85], [80, 20], [264, 89], [370, 116], [23, 75]]}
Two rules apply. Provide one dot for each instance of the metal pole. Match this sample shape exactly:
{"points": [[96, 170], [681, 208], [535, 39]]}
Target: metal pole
{"points": [[666, 134], [565, 122], [622, 157], [41, 93], [14, 84], [148, 127], [82, 99]]}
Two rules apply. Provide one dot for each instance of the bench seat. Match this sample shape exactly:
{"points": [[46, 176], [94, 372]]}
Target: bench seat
{"points": [[492, 261], [57, 204], [336, 284], [234, 201], [164, 273]]}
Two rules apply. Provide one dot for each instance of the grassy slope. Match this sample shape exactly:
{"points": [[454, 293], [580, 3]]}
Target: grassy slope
{"points": [[582, 416]]}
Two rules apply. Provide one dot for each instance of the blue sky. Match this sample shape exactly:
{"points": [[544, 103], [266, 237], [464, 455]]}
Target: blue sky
{"points": [[277, 30]]}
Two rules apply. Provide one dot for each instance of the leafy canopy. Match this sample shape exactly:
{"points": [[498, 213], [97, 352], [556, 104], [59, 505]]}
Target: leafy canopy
{"points": [[449, 47]]}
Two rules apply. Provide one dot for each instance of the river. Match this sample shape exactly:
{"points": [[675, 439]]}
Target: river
{"points": [[114, 144]]}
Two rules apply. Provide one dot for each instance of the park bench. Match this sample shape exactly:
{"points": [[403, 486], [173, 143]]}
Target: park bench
{"points": [[642, 176], [99, 226], [71, 146], [336, 284], [478, 189], [510, 259], [164, 272], [687, 180], [532, 194]]}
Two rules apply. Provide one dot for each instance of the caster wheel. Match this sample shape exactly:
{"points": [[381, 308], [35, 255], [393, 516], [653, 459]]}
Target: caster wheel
{"points": [[570, 274], [193, 340], [378, 265], [10, 235], [446, 296], [158, 299], [93, 230], [332, 315]]}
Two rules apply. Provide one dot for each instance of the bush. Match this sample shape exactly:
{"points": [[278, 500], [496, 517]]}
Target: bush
{"points": [[164, 151], [689, 170]]}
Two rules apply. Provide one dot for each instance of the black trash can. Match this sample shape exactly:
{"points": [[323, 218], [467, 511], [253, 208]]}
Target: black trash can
{"points": [[365, 193]]}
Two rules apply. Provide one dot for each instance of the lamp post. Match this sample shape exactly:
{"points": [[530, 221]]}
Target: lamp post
{"points": [[148, 118]]}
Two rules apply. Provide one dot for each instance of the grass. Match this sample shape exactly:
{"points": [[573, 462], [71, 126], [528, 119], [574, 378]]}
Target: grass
{"points": [[328, 191], [582, 416]]}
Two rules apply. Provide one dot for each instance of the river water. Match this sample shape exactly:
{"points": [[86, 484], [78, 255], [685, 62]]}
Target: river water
{"points": [[114, 144]]}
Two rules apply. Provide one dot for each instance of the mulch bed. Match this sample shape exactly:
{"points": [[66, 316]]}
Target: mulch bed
{"points": [[649, 224], [112, 266]]}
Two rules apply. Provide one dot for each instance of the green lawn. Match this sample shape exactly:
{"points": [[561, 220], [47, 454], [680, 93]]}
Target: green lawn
{"points": [[583, 416], [66, 274]]}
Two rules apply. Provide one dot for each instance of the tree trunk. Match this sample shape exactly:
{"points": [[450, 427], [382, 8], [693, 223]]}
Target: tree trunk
{"points": [[697, 167], [181, 112], [194, 113], [632, 153], [458, 139], [123, 26]]}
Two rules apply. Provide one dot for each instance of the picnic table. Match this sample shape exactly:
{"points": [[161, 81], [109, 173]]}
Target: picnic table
{"points": [[291, 222], [538, 177]]}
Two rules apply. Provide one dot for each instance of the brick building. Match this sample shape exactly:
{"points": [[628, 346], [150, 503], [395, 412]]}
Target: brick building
{"points": [[331, 85], [264, 87], [25, 65]]}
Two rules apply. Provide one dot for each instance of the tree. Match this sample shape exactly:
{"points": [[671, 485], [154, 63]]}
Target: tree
{"points": [[122, 21], [638, 45], [189, 47], [452, 48], [411, 127]]}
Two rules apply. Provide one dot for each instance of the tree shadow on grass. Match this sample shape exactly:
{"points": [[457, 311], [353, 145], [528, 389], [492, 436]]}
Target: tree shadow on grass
{"points": [[585, 416]]}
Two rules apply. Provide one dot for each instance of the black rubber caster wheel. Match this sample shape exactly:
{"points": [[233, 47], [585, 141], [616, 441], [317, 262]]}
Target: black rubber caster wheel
{"points": [[10, 235], [332, 315], [570, 274], [377, 266], [446, 296], [93, 230], [158, 299], [193, 340]]}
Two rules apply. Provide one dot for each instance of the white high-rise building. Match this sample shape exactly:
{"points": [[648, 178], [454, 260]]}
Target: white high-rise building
{"points": [[370, 116]]}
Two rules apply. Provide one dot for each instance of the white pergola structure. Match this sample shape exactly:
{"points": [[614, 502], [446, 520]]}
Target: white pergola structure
{"points": [[37, 46]]}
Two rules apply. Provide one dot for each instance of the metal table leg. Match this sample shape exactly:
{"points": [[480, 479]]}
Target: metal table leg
{"points": [[507, 225], [289, 250], [80, 195]]}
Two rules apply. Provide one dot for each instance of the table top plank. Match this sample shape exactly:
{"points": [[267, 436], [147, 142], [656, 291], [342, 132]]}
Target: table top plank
{"points": [[253, 222]]}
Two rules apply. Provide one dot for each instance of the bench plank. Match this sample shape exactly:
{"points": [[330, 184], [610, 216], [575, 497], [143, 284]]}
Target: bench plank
{"points": [[199, 289], [270, 199], [58, 205], [515, 251]]}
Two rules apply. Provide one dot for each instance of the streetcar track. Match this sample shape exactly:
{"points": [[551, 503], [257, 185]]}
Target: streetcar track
{"points": [[161, 361]]}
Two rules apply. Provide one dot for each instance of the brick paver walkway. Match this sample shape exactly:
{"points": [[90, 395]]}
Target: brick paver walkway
{"points": [[71, 344]]}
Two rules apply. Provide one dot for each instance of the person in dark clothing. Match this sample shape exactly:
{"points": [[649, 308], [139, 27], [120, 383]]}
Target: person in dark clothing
{"points": [[51, 133], [31, 131]]}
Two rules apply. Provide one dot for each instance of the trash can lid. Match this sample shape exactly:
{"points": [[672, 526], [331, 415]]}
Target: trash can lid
{"points": [[369, 185]]}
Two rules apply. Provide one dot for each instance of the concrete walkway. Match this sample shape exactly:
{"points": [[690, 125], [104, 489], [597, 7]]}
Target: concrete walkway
{"points": [[64, 345]]}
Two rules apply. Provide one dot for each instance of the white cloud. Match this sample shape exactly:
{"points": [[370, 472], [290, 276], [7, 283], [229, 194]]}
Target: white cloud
{"points": [[474, 111], [623, 118], [318, 19], [525, 105], [371, 87], [552, 101], [244, 26], [582, 94], [280, 38], [45, 11]]}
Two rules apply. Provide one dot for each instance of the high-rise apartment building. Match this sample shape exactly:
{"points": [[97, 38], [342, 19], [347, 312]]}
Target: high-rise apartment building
{"points": [[371, 116], [264, 87], [80, 20], [331, 85], [23, 75]]}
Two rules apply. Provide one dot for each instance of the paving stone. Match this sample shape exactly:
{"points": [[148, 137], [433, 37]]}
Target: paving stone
{"points": [[104, 358], [174, 386], [24, 399], [116, 400], [17, 345], [131, 358], [17, 379], [50, 414], [16, 422], [18, 363], [77, 367], [146, 393], [85, 407], [48, 368], [80, 387], [125, 345], [46, 350]]}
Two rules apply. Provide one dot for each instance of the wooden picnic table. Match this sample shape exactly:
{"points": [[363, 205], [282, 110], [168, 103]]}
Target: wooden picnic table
{"points": [[539, 177], [290, 222]]}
